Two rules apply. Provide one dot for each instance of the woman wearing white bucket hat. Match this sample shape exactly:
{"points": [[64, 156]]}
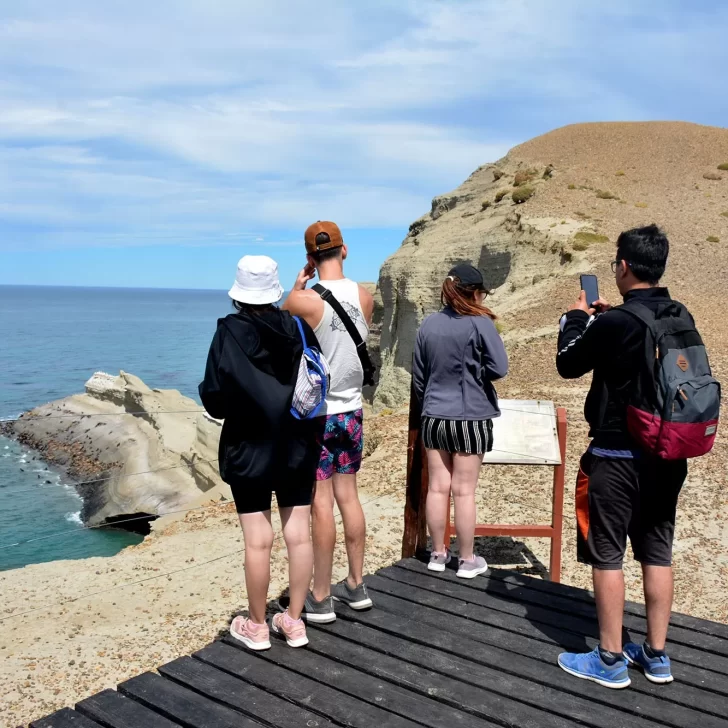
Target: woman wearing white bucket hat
{"points": [[251, 373]]}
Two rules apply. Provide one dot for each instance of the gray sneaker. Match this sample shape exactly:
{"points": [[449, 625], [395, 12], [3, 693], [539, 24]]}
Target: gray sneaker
{"points": [[471, 569], [438, 562], [315, 612], [356, 598]]}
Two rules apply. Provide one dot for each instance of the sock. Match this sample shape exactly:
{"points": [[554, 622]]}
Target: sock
{"points": [[651, 652], [608, 658]]}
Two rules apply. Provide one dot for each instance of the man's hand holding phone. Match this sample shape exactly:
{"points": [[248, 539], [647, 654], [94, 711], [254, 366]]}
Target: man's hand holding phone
{"points": [[599, 306], [307, 273]]}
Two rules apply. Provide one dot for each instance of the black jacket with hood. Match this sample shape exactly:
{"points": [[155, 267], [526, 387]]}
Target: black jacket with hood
{"points": [[249, 380]]}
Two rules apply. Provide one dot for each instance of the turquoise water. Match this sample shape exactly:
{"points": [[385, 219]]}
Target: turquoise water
{"points": [[51, 341]]}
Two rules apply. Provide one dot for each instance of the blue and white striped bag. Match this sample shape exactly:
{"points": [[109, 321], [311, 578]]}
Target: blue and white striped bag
{"points": [[312, 383]]}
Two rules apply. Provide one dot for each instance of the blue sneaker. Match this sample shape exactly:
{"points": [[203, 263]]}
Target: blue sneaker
{"points": [[656, 669], [590, 666]]}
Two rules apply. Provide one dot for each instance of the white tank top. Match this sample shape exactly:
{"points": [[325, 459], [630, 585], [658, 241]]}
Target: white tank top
{"points": [[337, 346]]}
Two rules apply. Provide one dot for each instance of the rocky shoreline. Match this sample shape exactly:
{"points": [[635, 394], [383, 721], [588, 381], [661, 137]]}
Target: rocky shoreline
{"points": [[131, 451]]}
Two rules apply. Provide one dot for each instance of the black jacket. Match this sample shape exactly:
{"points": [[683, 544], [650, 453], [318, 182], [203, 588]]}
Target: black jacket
{"points": [[249, 380], [611, 345]]}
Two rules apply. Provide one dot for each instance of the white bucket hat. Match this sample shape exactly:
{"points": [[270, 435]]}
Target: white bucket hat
{"points": [[256, 281]]}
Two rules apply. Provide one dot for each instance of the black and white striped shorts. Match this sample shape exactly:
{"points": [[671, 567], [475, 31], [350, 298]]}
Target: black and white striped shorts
{"points": [[466, 436]]}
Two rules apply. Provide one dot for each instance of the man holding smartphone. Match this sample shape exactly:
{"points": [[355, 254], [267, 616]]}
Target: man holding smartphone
{"points": [[621, 491], [342, 428]]}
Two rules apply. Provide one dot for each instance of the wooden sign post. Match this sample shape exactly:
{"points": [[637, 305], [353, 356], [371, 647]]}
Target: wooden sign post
{"points": [[543, 444]]}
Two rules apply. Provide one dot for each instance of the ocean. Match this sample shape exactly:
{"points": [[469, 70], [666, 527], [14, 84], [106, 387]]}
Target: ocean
{"points": [[51, 341]]}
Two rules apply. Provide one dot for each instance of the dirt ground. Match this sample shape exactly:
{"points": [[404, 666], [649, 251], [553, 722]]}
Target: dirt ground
{"points": [[128, 616]]}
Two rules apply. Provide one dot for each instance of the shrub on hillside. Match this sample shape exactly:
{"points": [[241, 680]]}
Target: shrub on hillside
{"points": [[712, 239], [725, 214], [619, 173], [485, 204], [497, 174], [500, 195], [548, 172], [606, 195], [522, 194], [712, 175], [571, 187], [723, 166], [583, 239], [640, 204], [522, 178]]}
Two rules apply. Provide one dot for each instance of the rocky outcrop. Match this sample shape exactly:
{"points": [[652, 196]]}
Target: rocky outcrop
{"points": [[132, 449], [479, 222]]}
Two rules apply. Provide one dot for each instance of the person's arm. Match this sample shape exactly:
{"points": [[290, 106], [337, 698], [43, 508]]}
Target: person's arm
{"points": [[214, 399], [586, 339], [304, 302], [493, 352], [418, 366]]}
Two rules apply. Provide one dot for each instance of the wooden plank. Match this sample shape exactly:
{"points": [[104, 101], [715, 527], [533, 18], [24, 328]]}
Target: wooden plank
{"points": [[414, 538], [558, 602], [414, 640], [235, 693], [493, 594], [113, 710], [470, 697], [548, 620], [355, 683], [64, 718], [493, 693], [181, 705], [583, 595], [299, 689], [510, 632]]}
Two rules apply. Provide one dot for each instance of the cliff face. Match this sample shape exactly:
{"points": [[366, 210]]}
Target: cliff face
{"points": [[514, 251], [552, 208], [94, 437]]}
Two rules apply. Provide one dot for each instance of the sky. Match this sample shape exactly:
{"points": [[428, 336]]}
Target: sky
{"points": [[155, 143]]}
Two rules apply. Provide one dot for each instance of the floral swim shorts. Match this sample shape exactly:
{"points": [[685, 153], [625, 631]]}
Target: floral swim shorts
{"points": [[341, 439]]}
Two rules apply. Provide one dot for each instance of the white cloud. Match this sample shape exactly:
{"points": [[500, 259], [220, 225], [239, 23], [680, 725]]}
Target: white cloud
{"points": [[178, 120]]}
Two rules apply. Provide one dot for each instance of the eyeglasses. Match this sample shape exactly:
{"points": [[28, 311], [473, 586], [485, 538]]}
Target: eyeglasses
{"points": [[615, 263]]}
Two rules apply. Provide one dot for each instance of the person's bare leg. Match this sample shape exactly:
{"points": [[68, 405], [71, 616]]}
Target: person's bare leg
{"points": [[355, 529], [609, 596], [258, 537], [465, 472], [439, 466], [297, 535], [658, 584], [324, 537]]}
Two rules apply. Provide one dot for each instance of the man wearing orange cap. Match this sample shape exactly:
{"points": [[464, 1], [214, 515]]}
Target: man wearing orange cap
{"points": [[341, 437]]}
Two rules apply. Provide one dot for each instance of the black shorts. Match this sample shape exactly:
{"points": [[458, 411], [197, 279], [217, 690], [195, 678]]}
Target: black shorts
{"points": [[620, 498], [472, 437], [291, 489]]}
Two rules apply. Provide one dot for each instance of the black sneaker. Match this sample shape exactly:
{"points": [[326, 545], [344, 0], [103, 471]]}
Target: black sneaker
{"points": [[315, 612], [356, 598]]}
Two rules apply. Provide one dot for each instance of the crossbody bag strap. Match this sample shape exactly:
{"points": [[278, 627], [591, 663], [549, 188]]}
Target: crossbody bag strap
{"points": [[359, 343], [350, 326]]}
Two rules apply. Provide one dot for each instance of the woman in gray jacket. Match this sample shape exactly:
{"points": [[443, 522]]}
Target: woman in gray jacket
{"points": [[458, 355]]}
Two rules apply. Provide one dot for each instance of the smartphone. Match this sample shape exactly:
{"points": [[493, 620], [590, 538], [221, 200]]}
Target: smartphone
{"points": [[591, 288]]}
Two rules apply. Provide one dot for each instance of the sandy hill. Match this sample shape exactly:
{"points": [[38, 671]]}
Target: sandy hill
{"points": [[587, 183]]}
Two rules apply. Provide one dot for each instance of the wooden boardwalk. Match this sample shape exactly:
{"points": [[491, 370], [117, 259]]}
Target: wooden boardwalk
{"points": [[436, 651]]}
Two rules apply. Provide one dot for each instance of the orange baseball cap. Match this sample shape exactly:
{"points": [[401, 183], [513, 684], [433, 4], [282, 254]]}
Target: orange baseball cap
{"points": [[321, 236]]}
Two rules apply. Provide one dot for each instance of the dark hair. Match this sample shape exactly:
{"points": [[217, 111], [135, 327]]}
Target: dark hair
{"points": [[252, 307], [645, 250], [323, 255], [461, 299]]}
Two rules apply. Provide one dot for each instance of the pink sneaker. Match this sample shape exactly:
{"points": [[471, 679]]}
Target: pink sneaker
{"points": [[252, 635], [294, 630]]}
